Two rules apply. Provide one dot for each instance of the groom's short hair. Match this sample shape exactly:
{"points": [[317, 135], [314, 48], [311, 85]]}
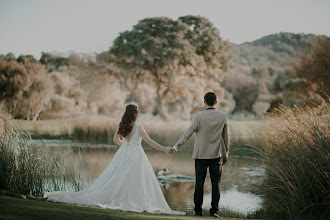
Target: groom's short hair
{"points": [[210, 98]]}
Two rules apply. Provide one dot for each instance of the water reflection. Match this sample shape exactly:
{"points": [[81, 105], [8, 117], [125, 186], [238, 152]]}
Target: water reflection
{"points": [[238, 177], [232, 199]]}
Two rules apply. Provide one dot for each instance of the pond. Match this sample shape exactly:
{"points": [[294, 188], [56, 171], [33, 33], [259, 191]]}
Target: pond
{"points": [[239, 176]]}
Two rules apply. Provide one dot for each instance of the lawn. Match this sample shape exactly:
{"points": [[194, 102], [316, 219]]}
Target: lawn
{"points": [[18, 208]]}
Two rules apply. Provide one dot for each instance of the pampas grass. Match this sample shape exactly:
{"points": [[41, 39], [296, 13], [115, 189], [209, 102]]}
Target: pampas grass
{"points": [[296, 144]]}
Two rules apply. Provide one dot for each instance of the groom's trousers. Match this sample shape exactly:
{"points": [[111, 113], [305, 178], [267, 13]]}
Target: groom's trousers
{"points": [[215, 167]]}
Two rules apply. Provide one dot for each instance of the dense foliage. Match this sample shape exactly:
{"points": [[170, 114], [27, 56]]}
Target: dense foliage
{"points": [[25, 86], [170, 55]]}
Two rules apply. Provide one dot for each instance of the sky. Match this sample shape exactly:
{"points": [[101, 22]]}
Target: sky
{"points": [[84, 26]]}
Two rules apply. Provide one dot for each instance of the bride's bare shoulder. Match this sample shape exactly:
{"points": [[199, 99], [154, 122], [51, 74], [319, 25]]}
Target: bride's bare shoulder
{"points": [[140, 126]]}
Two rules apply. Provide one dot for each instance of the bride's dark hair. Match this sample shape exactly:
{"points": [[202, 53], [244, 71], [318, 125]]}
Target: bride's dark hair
{"points": [[128, 119]]}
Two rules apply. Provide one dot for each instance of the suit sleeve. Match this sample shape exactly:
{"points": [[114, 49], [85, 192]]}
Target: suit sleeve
{"points": [[188, 133], [226, 138]]}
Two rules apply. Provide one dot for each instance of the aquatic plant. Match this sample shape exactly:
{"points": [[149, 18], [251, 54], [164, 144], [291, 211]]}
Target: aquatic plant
{"points": [[29, 170]]}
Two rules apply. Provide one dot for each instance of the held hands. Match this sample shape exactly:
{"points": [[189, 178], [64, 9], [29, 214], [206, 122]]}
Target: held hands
{"points": [[169, 150], [172, 150]]}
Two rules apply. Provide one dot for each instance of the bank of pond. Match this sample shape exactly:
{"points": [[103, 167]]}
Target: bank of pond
{"points": [[280, 174]]}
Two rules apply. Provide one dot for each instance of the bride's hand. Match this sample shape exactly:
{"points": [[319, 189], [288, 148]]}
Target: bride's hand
{"points": [[168, 150], [172, 150]]}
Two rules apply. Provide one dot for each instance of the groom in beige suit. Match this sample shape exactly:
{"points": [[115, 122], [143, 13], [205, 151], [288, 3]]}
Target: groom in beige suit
{"points": [[211, 150]]}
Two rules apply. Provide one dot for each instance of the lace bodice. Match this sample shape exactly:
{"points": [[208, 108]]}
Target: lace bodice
{"points": [[135, 139]]}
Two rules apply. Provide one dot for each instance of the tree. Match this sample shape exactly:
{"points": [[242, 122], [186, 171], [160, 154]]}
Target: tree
{"points": [[207, 43], [244, 89], [53, 62], [25, 87], [75, 60], [164, 51], [315, 68], [307, 83], [128, 80], [152, 45], [11, 56]]}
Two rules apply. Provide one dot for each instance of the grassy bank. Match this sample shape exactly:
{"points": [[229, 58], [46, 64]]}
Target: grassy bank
{"points": [[17, 208], [31, 170]]}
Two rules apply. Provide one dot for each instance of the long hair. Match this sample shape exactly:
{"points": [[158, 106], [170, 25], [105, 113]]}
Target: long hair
{"points": [[128, 119]]}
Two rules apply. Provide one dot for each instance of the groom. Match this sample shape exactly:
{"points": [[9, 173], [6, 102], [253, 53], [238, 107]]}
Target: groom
{"points": [[211, 150]]}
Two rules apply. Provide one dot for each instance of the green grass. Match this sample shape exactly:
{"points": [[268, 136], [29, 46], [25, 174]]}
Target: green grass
{"points": [[18, 208]]}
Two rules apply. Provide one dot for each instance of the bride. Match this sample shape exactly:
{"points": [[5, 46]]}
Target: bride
{"points": [[129, 182]]}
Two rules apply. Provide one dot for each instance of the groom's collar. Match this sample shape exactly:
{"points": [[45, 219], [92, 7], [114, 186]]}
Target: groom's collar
{"points": [[209, 108]]}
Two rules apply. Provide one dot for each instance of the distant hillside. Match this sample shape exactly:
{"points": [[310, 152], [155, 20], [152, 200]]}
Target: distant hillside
{"points": [[276, 51], [285, 42], [260, 66]]}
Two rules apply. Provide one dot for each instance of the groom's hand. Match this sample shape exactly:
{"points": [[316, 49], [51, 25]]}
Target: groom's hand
{"points": [[172, 150], [169, 149], [224, 160]]}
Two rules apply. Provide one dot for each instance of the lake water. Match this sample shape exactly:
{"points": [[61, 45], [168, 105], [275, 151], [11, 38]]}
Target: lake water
{"points": [[239, 176]]}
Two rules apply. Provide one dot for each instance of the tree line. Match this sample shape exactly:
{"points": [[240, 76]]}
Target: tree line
{"points": [[166, 65]]}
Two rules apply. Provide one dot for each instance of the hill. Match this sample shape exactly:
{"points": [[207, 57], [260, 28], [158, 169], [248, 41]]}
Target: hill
{"points": [[258, 66], [273, 51]]}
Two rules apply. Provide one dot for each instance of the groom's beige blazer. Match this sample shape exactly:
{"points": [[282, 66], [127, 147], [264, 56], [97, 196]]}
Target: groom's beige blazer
{"points": [[212, 134]]}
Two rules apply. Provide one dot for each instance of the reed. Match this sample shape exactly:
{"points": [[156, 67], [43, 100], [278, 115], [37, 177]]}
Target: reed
{"points": [[29, 170], [296, 146], [99, 129]]}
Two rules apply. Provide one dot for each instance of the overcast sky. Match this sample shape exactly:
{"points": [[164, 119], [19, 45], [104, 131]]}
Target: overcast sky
{"points": [[33, 26]]}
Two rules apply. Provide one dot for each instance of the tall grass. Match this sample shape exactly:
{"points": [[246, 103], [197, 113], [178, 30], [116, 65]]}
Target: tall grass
{"points": [[296, 152], [29, 170], [98, 129]]}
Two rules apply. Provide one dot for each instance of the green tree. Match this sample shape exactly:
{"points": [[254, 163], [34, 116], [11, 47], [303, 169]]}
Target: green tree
{"points": [[207, 43], [164, 51], [11, 56], [149, 47], [53, 62]]}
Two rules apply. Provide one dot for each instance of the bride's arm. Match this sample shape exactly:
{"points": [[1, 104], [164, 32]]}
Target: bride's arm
{"points": [[116, 139], [151, 142]]}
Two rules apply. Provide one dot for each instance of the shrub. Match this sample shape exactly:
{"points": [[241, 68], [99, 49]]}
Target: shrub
{"points": [[260, 108]]}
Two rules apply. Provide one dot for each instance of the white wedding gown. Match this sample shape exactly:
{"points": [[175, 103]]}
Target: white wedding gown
{"points": [[128, 183]]}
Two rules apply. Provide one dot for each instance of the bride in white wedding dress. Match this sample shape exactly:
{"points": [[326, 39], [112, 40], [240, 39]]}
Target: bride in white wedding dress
{"points": [[129, 182]]}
